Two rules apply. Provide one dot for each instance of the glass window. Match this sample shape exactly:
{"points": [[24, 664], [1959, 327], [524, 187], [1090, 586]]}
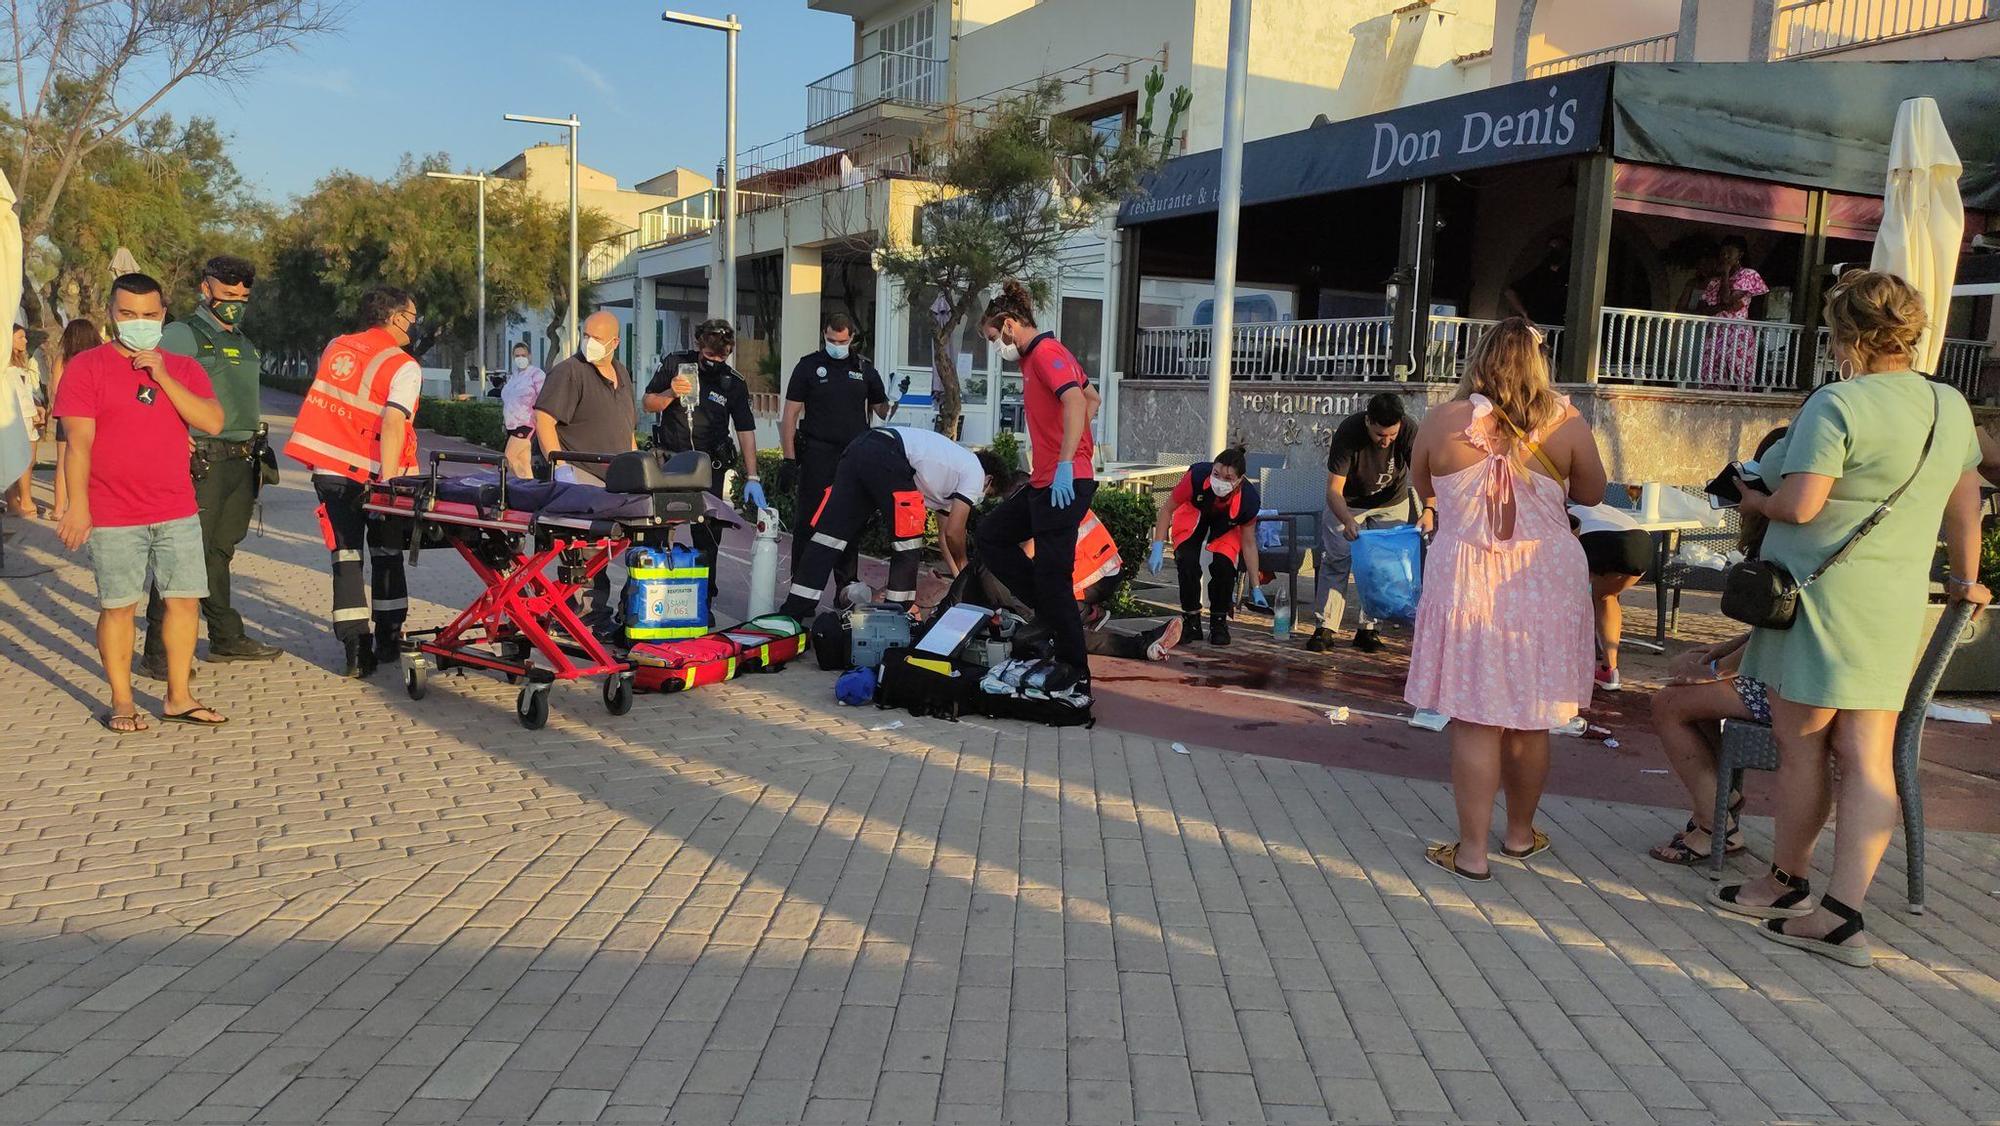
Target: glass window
{"points": [[920, 336], [1083, 332]]}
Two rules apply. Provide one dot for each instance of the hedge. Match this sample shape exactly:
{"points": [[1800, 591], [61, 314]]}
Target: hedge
{"points": [[476, 420]]}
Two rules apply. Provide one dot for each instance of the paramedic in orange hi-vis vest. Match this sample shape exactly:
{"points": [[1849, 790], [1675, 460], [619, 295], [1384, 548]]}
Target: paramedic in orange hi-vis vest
{"points": [[355, 428]]}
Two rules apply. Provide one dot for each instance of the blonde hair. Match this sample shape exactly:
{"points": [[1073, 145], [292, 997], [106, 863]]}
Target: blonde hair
{"points": [[1874, 315], [1508, 367]]}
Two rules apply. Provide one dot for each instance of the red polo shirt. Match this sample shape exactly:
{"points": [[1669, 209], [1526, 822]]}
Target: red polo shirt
{"points": [[1048, 370]]}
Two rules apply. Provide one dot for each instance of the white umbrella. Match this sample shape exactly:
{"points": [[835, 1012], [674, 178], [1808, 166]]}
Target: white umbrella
{"points": [[1923, 220]]}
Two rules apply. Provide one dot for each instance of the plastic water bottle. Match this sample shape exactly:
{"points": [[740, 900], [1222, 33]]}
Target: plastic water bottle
{"points": [[1281, 614]]}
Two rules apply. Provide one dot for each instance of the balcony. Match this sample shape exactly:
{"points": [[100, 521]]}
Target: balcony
{"points": [[1653, 49], [1805, 28], [889, 93], [610, 259], [1638, 346]]}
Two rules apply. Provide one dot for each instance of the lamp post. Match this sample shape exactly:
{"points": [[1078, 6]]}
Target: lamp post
{"points": [[729, 27], [480, 179], [1227, 221], [570, 123]]}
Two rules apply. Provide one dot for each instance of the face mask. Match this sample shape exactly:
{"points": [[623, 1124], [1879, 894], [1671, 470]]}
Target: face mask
{"points": [[835, 351], [228, 312], [140, 335], [520, 363], [1220, 487], [1009, 353], [594, 350]]}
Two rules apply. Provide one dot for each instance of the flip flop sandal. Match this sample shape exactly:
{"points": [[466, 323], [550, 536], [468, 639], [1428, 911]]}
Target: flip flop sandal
{"points": [[136, 722], [1539, 846], [1833, 944], [192, 717], [1445, 856], [1791, 905]]}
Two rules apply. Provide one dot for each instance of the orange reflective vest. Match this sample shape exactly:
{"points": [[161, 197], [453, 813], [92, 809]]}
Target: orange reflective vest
{"points": [[1096, 555], [339, 428], [1192, 497]]}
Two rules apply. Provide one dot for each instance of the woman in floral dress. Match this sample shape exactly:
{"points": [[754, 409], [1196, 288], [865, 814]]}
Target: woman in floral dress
{"points": [[1729, 355], [1504, 641]]}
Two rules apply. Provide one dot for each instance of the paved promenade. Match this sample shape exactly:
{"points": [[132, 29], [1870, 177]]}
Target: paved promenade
{"points": [[746, 903]]}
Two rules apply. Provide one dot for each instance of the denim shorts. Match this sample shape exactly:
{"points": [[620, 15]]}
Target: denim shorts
{"points": [[170, 554]]}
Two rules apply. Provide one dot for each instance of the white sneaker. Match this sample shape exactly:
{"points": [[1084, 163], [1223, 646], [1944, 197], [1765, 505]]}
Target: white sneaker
{"points": [[1608, 679]]}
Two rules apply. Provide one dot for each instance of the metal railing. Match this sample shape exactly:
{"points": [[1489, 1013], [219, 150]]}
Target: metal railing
{"points": [[675, 222], [886, 76], [612, 257], [1652, 49], [1960, 364], [1349, 348], [1683, 350], [1814, 27]]}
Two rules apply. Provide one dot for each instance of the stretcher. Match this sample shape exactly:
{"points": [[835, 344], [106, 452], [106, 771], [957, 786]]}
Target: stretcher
{"points": [[535, 546]]}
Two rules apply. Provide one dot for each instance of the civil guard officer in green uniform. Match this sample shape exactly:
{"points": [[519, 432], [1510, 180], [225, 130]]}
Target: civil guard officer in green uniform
{"points": [[227, 468]]}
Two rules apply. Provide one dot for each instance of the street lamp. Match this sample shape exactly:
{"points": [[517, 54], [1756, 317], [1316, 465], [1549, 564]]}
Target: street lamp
{"points": [[1227, 222], [479, 179], [570, 123], [729, 27]]}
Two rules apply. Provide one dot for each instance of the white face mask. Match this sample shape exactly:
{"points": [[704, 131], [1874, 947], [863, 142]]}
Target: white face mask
{"points": [[1009, 352], [594, 350], [1220, 487], [520, 363]]}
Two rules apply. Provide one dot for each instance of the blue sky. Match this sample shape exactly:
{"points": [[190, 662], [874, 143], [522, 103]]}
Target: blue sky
{"points": [[422, 76]]}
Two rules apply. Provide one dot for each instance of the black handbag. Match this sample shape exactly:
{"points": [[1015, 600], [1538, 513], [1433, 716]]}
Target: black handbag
{"points": [[1762, 593]]}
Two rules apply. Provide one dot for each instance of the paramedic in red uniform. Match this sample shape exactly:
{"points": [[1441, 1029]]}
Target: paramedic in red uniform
{"points": [[1214, 506], [1055, 393], [354, 428]]}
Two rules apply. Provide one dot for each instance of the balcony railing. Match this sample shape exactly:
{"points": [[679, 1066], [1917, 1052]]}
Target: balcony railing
{"points": [[610, 258], [1815, 27], [1683, 350], [678, 220], [1653, 49], [1350, 348], [1959, 364], [886, 76]]}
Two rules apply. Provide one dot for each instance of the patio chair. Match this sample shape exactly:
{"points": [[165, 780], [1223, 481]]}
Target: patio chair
{"points": [[1748, 745]]}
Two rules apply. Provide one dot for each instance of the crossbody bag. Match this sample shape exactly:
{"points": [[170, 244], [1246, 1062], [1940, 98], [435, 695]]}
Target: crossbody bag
{"points": [[1761, 593]]}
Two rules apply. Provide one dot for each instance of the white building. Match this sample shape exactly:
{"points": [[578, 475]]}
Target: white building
{"points": [[815, 204]]}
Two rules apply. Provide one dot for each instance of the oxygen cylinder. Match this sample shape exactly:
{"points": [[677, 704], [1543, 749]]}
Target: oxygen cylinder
{"points": [[764, 564]]}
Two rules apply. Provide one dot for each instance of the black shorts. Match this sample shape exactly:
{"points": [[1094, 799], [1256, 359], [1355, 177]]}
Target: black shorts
{"points": [[1618, 553]]}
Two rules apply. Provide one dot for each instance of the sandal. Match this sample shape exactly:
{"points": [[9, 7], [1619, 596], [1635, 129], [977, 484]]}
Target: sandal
{"points": [[128, 724], [1445, 856], [1790, 905], [1538, 846], [193, 717], [1833, 944], [1677, 851]]}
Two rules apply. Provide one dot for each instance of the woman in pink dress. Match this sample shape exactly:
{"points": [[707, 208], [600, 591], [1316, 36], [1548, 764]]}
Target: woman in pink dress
{"points": [[1729, 355], [1504, 641]]}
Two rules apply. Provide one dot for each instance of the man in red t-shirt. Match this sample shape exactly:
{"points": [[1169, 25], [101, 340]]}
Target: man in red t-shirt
{"points": [[126, 409], [1056, 396]]}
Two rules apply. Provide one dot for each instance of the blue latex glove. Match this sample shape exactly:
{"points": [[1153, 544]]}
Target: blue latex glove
{"points": [[753, 491], [1257, 598], [1062, 490], [1157, 556]]}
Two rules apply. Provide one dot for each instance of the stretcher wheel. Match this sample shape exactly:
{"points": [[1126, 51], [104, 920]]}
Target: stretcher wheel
{"points": [[618, 693], [416, 679], [531, 707]]}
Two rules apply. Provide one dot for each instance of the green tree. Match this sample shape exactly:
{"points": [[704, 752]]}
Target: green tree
{"points": [[1010, 190], [87, 71], [351, 233]]}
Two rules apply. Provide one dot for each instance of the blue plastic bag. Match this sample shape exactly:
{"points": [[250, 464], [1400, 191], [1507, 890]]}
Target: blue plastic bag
{"points": [[1389, 572]]}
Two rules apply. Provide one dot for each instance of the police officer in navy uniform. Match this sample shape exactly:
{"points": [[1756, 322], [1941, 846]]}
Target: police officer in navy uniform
{"points": [[723, 426], [834, 389]]}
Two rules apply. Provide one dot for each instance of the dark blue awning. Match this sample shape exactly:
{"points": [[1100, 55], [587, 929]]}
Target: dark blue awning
{"points": [[1807, 124]]}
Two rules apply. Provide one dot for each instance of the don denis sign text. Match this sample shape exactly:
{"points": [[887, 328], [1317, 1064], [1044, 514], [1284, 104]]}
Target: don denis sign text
{"points": [[1552, 125]]}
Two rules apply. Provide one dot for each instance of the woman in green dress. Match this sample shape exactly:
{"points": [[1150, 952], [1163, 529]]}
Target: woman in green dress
{"points": [[1837, 677]]}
